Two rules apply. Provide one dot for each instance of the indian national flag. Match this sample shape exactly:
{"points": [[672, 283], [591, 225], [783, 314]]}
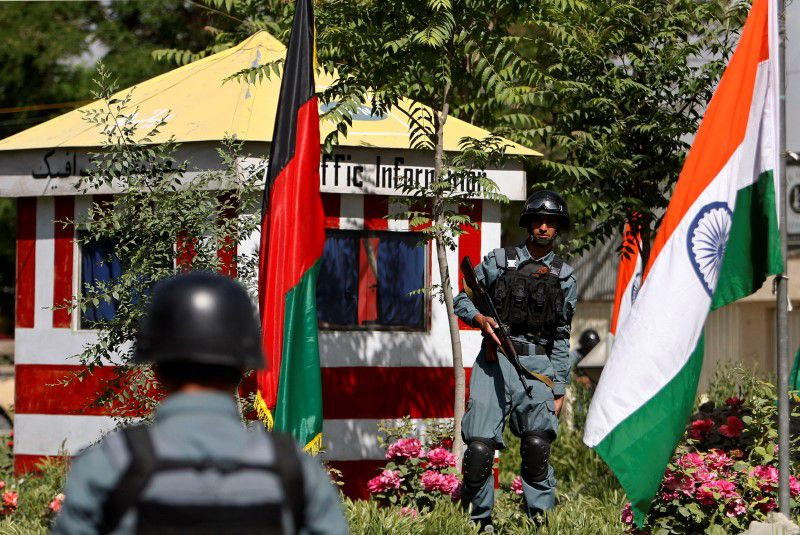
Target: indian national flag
{"points": [[289, 394], [717, 243]]}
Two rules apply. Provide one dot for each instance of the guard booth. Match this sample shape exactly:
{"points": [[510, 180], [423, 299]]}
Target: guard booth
{"points": [[384, 354]]}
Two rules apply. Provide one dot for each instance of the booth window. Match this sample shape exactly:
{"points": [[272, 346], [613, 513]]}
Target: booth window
{"points": [[366, 279], [99, 265]]}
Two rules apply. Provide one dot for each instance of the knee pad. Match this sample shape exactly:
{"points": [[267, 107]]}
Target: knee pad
{"points": [[535, 452], [478, 462]]}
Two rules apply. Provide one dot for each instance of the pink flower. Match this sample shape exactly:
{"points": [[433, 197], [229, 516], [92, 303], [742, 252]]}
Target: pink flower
{"points": [[55, 505], [516, 485], [767, 477], [405, 448], [705, 496], [726, 489], [456, 494], [10, 499], [704, 475], [433, 481], [733, 401], [388, 480], [794, 486], [409, 511], [669, 496], [735, 508], [769, 505], [700, 428], [627, 514], [733, 428], [441, 458], [718, 460], [711, 491], [690, 460]]}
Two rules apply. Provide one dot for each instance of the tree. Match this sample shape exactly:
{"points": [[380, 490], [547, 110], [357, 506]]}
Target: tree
{"points": [[47, 56], [622, 88], [160, 222], [608, 90], [383, 54]]}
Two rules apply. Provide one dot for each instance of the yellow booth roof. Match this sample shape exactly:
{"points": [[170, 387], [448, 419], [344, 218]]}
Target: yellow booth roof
{"points": [[200, 107]]}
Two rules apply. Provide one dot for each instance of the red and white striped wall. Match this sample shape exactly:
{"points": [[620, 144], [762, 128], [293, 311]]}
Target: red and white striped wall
{"points": [[367, 376]]}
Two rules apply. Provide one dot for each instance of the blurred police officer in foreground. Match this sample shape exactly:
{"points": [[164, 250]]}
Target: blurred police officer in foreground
{"points": [[534, 292], [197, 469]]}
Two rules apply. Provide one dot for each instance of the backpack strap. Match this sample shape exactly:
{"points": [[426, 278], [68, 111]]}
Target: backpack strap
{"points": [[287, 464], [135, 478], [556, 265], [510, 258]]}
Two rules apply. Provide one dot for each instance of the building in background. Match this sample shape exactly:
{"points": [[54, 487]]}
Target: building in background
{"points": [[385, 354]]}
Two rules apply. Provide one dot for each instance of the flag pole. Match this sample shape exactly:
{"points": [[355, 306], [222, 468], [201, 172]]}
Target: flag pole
{"points": [[782, 280]]}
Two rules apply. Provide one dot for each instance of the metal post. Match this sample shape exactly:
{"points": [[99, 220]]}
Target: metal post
{"points": [[782, 282]]}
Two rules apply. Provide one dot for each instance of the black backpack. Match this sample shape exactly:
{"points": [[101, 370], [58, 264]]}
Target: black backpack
{"points": [[155, 517]]}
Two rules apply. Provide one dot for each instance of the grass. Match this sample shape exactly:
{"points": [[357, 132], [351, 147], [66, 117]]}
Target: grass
{"points": [[36, 491], [589, 498]]}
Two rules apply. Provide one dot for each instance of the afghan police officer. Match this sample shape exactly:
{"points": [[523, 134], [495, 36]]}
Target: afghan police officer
{"points": [[197, 469], [534, 292], [587, 341]]}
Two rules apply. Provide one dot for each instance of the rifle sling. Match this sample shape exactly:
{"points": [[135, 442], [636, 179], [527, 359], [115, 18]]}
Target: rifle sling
{"points": [[533, 375]]}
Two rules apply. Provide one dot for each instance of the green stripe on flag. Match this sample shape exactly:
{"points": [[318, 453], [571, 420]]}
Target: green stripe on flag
{"points": [[299, 406], [753, 251], [639, 448]]}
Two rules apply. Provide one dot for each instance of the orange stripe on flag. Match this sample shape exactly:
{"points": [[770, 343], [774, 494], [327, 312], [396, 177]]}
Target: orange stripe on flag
{"points": [[724, 124]]}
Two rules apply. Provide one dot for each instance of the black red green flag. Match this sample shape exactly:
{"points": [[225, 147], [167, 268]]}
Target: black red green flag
{"points": [[289, 394]]}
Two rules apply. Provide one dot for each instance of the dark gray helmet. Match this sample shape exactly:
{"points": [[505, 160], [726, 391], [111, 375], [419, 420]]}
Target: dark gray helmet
{"points": [[588, 340], [202, 318], [545, 202]]}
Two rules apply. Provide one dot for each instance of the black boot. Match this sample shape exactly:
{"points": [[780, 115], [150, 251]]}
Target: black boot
{"points": [[485, 524]]}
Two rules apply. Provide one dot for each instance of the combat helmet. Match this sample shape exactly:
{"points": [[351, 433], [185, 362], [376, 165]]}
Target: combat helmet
{"points": [[200, 318], [588, 340], [545, 202]]}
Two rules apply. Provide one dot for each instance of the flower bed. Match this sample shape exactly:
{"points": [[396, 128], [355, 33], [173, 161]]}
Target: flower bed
{"points": [[724, 472], [416, 475]]}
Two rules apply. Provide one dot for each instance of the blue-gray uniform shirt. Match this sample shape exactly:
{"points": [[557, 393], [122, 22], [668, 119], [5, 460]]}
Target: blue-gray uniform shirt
{"points": [[488, 271], [203, 426]]}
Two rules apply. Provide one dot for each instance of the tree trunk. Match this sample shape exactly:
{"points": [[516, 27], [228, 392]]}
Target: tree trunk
{"points": [[459, 405]]}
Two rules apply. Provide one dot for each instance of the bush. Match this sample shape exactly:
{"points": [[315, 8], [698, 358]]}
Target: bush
{"points": [[418, 474], [724, 473], [28, 504]]}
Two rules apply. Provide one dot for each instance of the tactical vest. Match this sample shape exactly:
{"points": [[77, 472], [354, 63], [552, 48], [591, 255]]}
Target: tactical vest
{"points": [[529, 299], [160, 491]]}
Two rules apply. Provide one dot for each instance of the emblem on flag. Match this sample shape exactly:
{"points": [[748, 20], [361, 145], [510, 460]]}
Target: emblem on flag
{"points": [[706, 240]]}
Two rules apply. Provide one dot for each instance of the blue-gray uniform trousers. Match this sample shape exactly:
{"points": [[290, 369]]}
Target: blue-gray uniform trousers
{"points": [[497, 393]]}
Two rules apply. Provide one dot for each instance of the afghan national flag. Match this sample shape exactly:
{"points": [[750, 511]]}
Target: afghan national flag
{"points": [[717, 243], [289, 394]]}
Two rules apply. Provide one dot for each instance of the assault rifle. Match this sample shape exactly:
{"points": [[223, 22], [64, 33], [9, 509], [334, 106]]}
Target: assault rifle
{"points": [[480, 297]]}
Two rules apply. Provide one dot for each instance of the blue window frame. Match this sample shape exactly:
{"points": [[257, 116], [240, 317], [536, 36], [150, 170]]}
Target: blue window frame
{"points": [[366, 279]]}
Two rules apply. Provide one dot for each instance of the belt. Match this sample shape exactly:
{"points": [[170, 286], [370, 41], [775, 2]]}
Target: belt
{"points": [[524, 349]]}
